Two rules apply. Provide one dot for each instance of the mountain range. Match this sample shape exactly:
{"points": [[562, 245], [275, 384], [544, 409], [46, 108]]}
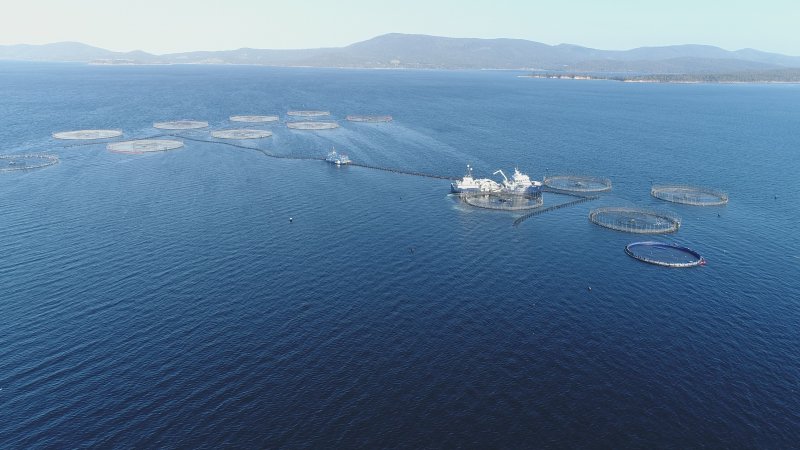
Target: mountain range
{"points": [[432, 52]]}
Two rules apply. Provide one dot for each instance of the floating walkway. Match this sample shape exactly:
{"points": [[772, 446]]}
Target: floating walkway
{"points": [[580, 198], [369, 119], [405, 172], [319, 158], [262, 151], [536, 212]]}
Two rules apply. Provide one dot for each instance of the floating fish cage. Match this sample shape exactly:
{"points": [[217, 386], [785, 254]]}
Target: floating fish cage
{"points": [[14, 163], [181, 125], [578, 183], [635, 220], [689, 195], [663, 254], [312, 125], [502, 201], [240, 134], [308, 113], [87, 134], [144, 146], [369, 119], [254, 119]]}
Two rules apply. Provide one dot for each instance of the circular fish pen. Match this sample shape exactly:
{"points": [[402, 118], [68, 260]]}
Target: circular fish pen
{"points": [[689, 195], [369, 119], [635, 220], [578, 183], [502, 201], [662, 254], [87, 135], [254, 119], [312, 125], [15, 163], [181, 125], [240, 134], [308, 113], [144, 146]]}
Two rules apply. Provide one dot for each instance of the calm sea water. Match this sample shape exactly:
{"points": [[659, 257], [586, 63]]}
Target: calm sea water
{"points": [[166, 300]]}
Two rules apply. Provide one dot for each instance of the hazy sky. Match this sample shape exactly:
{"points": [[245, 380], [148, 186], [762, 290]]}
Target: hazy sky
{"points": [[182, 25]]}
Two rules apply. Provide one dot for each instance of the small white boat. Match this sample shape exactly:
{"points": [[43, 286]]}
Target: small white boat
{"points": [[336, 158]]}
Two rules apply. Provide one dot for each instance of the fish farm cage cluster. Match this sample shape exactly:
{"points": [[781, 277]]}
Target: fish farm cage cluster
{"points": [[308, 113], [144, 146], [181, 125], [689, 195], [254, 119], [581, 188], [663, 254], [370, 119], [578, 183], [87, 134], [14, 163], [502, 201], [240, 134], [312, 125], [635, 220]]}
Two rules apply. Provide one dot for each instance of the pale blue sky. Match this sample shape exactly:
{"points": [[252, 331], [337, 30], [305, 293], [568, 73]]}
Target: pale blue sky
{"points": [[161, 26]]}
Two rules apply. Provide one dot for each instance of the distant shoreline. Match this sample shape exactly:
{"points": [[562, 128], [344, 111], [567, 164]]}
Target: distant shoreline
{"points": [[782, 77], [785, 76]]}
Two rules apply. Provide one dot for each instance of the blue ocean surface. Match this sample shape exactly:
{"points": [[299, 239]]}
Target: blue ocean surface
{"points": [[166, 300]]}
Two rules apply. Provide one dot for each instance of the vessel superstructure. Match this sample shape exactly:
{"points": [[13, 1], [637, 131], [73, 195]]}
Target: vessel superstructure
{"points": [[470, 184], [337, 158], [520, 184]]}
